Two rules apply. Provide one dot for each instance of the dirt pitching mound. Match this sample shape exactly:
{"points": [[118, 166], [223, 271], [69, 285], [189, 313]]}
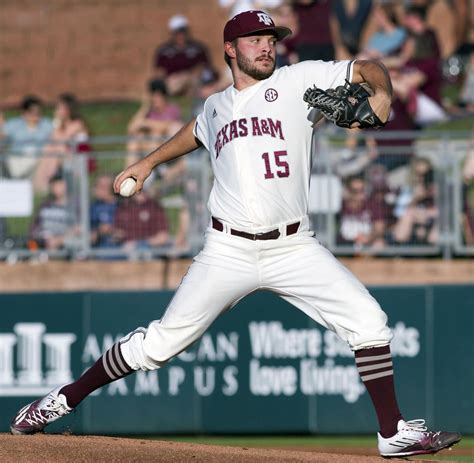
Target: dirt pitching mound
{"points": [[62, 448]]}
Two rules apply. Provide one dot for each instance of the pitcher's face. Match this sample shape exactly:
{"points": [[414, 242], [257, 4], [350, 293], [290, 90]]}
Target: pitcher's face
{"points": [[255, 55]]}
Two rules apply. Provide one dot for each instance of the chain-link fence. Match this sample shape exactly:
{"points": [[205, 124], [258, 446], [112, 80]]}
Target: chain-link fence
{"points": [[398, 193], [393, 193], [63, 206]]}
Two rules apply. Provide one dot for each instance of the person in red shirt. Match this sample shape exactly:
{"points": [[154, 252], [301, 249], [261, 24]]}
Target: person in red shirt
{"points": [[315, 37], [180, 59], [362, 218], [467, 217], [419, 76], [140, 223]]}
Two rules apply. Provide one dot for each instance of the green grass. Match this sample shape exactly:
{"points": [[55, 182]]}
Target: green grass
{"points": [[109, 118], [303, 442], [461, 123], [19, 226]]}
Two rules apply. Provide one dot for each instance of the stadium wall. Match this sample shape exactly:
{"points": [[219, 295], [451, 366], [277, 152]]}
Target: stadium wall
{"points": [[264, 364], [84, 45], [167, 274]]}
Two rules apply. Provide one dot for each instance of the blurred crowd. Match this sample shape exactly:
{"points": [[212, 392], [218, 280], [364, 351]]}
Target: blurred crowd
{"points": [[390, 195]]}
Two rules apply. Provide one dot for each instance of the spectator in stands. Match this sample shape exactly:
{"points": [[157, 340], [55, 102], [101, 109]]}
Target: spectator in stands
{"points": [[157, 119], [286, 53], [381, 192], [70, 135], [395, 153], [466, 97], [389, 35], [54, 227], [448, 19], [419, 76], [315, 36], [238, 6], [416, 208], [468, 169], [3, 169], [155, 122], [349, 20], [468, 216], [140, 224], [468, 195], [362, 219], [464, 25], [3, 231], [179, 60], [25, 136], [171, 185], [357, 154], [102, 215], [209, 84]]}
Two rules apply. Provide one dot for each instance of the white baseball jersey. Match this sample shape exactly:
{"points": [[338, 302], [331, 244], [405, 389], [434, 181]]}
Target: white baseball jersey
{"points": [[259, 140]]}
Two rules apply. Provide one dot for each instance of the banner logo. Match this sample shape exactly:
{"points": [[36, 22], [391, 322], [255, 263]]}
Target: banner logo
{"points": [[32, 361]]}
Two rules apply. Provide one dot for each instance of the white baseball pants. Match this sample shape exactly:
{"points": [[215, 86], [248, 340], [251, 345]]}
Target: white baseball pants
{"points": [[296, 267]]}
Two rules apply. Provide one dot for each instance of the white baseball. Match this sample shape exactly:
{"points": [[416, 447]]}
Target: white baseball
{"points": [[128, 187]]}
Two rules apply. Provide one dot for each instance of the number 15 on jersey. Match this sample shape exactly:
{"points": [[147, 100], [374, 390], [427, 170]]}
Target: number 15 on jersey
{"points": [[275, 163]]}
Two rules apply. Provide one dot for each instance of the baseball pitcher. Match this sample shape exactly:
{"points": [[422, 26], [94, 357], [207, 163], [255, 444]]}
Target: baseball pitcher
{"points": [[259, 139]]}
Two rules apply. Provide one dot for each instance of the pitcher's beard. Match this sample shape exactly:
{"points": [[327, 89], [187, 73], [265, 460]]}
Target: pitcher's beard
{"points": [[246, 66]]}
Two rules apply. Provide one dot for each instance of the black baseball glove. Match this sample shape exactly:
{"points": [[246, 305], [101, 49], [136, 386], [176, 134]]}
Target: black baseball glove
{"points": [[344, 105]]}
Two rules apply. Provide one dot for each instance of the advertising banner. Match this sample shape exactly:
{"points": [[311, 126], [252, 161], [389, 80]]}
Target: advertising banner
{"points": [[263, 367]]}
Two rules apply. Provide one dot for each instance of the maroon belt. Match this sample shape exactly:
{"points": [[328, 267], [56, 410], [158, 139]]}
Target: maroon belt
{"points": [[291, 229]]}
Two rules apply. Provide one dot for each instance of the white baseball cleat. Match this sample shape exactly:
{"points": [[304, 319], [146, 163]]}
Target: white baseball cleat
{"points": [[413, 438], [35, 416]]}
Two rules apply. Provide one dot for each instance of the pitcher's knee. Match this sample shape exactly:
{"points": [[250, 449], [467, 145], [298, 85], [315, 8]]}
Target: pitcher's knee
{"points": [[371, 336], [371, 330], [134, 353], [152, 348]]}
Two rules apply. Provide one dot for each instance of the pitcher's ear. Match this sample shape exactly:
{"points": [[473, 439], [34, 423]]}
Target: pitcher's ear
{"points": [[229, 49]]}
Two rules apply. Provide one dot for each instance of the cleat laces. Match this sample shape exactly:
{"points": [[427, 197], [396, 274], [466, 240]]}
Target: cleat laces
{"points": [[36, 418], [413, 431], [415, 426], [48, 412]]}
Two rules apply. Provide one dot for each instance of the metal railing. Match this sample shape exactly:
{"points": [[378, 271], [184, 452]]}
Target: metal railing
{"points": [[395, 158], [382, 163]]}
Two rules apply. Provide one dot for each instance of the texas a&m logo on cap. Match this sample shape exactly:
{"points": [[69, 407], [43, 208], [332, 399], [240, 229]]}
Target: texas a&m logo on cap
{"points": [[265, 19], [252, 21]]}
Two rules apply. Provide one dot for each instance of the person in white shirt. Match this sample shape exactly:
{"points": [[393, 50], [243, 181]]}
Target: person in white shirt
{"points": [[25, 137]]}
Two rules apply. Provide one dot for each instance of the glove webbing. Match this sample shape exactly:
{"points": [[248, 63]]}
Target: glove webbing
{"points": [[329, 104]]}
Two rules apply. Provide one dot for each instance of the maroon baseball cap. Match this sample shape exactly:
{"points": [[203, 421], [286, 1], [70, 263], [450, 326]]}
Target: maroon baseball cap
{"points": [[247, 22]]}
